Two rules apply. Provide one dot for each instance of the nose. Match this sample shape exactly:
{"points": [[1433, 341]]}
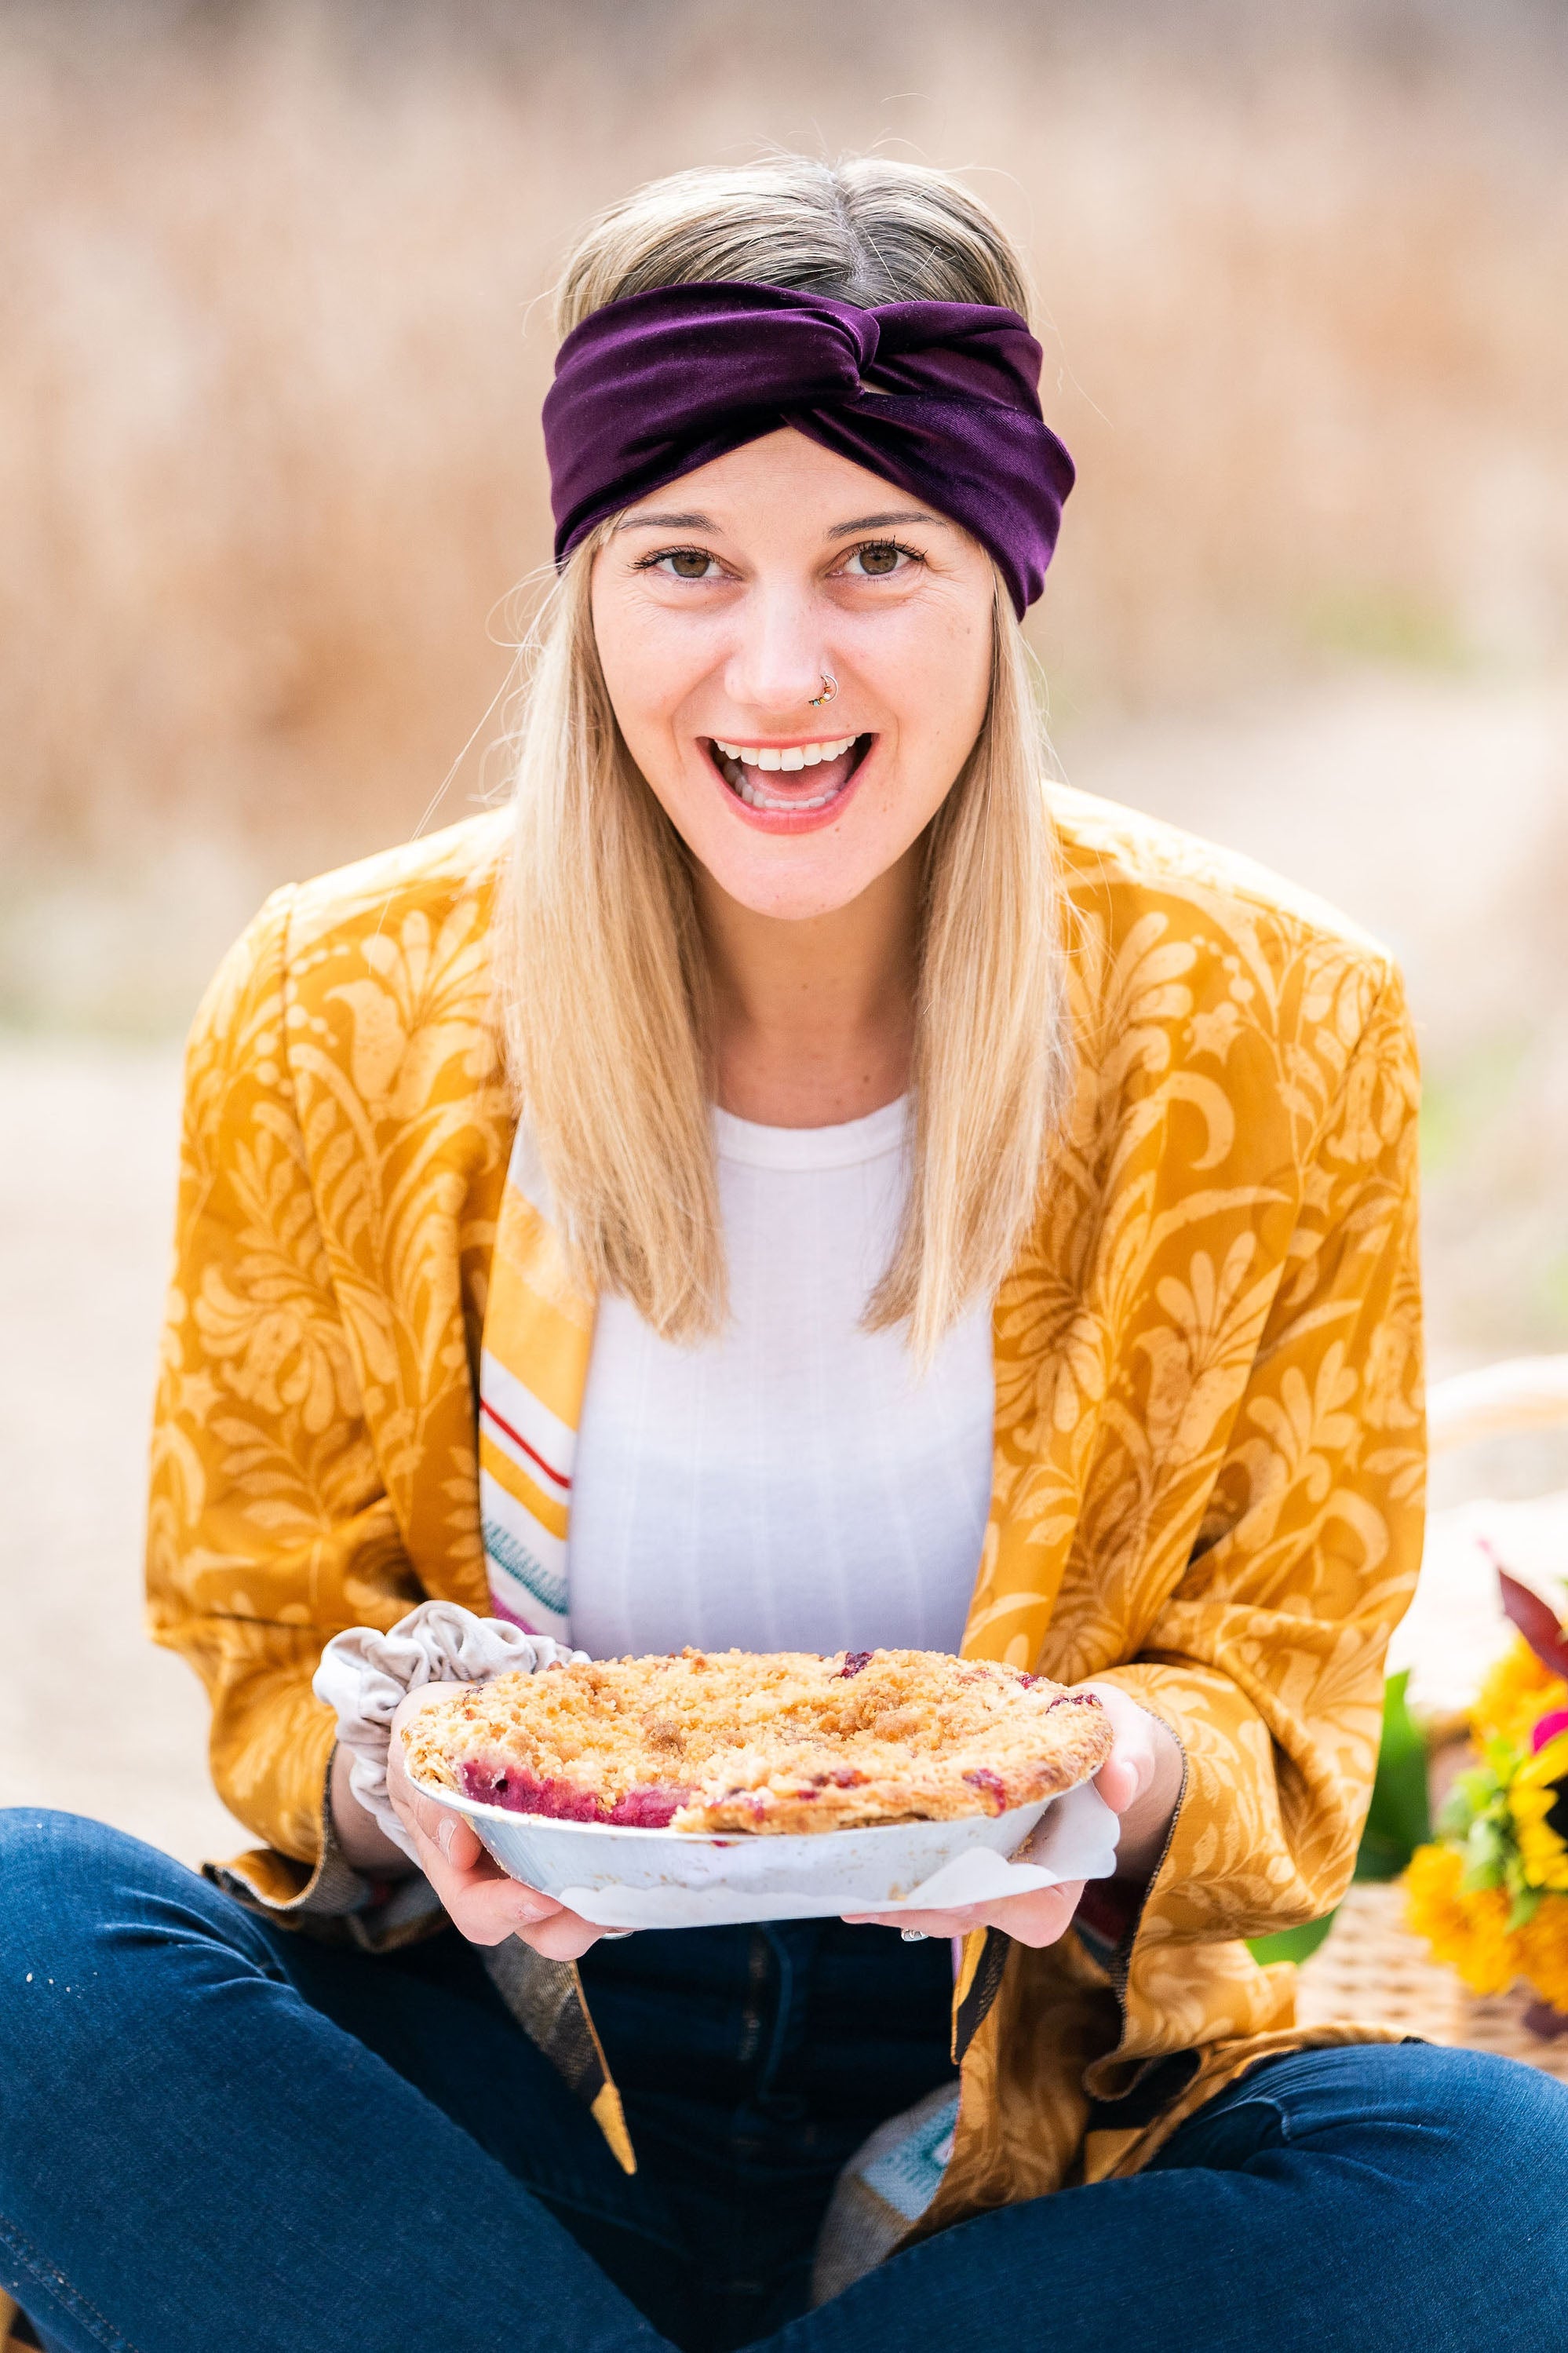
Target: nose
{"points": [[778, 658]]}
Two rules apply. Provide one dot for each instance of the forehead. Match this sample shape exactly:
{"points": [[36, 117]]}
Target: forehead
{"points": [[782, 485]]}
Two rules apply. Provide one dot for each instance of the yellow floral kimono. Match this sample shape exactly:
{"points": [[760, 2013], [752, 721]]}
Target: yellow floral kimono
{"points": [[1208, 1445]]}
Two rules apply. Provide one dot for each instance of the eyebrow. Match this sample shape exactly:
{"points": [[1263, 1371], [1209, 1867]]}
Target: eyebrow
{"points": [[667, 523], [839, 531], [885, 521]]}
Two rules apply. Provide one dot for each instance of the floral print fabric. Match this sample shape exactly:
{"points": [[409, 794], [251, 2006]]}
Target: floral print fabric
{"points": [[1209, 1429]]}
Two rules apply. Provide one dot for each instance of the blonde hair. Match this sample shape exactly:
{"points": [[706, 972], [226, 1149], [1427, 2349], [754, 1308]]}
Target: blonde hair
{"points": [[606, 984]]}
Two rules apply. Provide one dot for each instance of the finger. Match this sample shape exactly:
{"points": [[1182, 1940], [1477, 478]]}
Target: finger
{"points": [[1039, 1918], [481, 1892], [1130, 1769], [489, 1911], [1132, 1730], [456, 1838], [930, 1924], [459, 1842], [434, 1830], [565, 1936], [1118, 1782], [484, 1915], [450, 1878], [420, 1813]]}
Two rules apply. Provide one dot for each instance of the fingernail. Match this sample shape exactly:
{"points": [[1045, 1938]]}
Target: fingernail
{"points": [[445, 1834]]}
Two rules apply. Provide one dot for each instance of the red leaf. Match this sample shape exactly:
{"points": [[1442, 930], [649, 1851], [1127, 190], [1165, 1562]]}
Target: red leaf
{"points": [[1535, 1620]]}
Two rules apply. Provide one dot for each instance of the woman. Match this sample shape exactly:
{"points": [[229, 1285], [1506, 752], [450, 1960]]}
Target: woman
{"points": [[939, 1213]]}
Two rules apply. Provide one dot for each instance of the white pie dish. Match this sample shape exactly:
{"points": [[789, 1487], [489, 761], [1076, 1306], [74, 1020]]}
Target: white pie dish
{"points": [[621, 1878]]}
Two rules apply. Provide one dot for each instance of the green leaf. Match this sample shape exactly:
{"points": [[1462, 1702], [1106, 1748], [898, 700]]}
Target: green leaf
{"points": [[1479, 1785], [1292, 1944], [1470, 1795], [1399, 1819], [1526, 1905], [1485, 1856]]}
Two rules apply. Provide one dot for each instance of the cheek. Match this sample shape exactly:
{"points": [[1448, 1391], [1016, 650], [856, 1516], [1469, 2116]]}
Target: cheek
{"points": [[938, 687], [628, 658], [964, 677], [649, 665]]}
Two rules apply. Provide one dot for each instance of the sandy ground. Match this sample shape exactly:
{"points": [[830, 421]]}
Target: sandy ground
{"points": [[93, 1717], [1434, 813]]}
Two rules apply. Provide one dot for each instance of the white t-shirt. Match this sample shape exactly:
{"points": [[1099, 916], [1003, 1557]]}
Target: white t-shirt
{"points": [[791, 1484]]}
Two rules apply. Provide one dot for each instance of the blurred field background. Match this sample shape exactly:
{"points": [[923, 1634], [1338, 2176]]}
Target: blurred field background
{"points": [[274, 328]]}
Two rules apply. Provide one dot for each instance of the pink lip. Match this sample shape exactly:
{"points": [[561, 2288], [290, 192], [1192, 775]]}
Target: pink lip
{"points": [[791, 820], [776, 743]]}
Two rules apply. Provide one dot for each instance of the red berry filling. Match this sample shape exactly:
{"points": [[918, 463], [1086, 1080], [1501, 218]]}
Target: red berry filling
{"points": [[991, 1785], [647, 1807]]}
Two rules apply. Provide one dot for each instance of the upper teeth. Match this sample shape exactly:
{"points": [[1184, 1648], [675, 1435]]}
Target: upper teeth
{"points": [[795, 756]]}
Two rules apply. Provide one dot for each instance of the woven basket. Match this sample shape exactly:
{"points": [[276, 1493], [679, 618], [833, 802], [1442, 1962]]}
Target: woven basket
{"points": [[1370, 1971]]}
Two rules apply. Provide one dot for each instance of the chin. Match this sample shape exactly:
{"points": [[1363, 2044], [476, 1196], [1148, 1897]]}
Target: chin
{"points": [[768, 886]]}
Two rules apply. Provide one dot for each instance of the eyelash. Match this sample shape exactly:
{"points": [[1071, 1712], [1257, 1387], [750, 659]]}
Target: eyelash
{"points": [[662, 555], [898, 547]]}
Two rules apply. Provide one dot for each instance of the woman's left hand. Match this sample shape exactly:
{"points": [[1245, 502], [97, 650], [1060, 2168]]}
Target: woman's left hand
{"points": [[1141, 1780]]}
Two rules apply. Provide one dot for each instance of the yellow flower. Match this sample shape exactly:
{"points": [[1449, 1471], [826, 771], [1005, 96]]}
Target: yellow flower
{"points": [[1537, 1801], [1466, 1927], [1515, 1694], [1543, 1948]]}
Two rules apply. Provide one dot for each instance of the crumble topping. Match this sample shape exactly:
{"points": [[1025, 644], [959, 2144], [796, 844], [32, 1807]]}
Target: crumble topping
{"points": [[758, 1741]]}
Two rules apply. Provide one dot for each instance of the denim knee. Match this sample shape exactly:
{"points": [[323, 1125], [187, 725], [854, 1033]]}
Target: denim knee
{"points": [[56, 1870], [1450, 2118], [1451, 2123], [89, 1917], [1473, 2094], [1494, 2111]]}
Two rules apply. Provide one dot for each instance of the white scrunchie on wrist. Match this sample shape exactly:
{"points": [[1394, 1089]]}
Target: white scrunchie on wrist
{"points": [[363, 1674]]}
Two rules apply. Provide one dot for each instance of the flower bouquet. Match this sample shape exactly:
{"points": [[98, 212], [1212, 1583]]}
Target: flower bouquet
{"points": [[1490, 1893]]}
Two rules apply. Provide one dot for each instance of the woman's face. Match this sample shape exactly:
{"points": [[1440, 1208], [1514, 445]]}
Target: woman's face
{"points": [[719, 603]]}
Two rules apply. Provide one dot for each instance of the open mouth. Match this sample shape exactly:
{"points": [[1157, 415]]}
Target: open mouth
{"points": [[790, 780]]}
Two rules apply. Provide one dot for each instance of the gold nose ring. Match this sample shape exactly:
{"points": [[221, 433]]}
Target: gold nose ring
{"points": [[830, 689]]}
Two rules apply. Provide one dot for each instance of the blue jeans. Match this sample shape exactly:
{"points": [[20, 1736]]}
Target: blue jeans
{"points": [[219, 2135]]}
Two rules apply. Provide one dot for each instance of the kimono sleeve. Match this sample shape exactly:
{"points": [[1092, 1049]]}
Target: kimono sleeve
{"points": [[1267, 1661], [268, 1527]]}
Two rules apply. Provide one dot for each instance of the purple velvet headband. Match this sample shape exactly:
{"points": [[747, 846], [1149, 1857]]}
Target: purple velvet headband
{"points": [[937, 397]]}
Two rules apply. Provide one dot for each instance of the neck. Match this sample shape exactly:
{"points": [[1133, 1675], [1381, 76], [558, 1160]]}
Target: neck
{"points": [[814, 1021]]}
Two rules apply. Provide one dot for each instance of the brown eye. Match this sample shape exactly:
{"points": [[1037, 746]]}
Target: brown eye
{"points": [[879, 560], [688, 563]]}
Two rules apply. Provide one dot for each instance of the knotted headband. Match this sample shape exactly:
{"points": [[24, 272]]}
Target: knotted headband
{"points": [[940, 398]]}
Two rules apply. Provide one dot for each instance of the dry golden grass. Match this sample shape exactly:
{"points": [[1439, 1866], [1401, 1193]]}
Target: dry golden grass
{"points": [[272, 345], [269, 457]]}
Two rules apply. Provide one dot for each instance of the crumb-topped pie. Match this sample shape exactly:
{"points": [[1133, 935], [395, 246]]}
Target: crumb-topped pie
{"points": [[742, 1740]]}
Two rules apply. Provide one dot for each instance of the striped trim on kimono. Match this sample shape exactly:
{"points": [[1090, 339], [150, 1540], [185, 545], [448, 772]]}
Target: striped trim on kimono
{"points": [[533, 1369]]}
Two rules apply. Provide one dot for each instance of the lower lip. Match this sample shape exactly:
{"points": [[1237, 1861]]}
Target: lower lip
{"points": [[787, 820]]}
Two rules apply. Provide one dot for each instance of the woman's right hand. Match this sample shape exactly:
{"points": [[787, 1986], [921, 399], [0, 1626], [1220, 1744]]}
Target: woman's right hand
{"points": [[484, 1903]]}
